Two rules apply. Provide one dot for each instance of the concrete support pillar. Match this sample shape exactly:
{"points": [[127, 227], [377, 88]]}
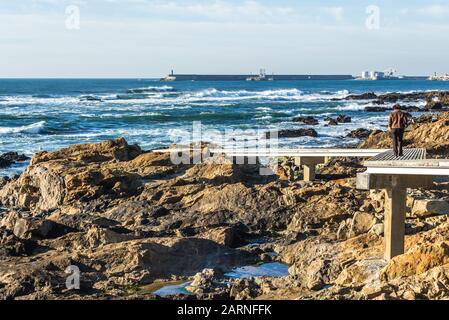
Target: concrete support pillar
{"points": [[309, 172], [394, 224], [395, 204], [309, 164]]}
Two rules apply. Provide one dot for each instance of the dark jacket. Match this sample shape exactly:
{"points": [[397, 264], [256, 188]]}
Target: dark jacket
{"points": [[398, 120]]}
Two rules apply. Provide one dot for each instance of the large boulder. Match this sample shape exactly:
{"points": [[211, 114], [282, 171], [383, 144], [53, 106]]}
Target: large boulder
{"points": [[424, 208], [76, 173]]}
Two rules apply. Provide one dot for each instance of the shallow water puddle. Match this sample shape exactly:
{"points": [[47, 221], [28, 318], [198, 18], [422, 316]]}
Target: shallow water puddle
{"points": [[173, 290], [273, 269]]}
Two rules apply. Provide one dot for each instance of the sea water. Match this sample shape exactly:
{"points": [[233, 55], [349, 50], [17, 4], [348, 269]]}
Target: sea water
{"points": [[47, 114]]}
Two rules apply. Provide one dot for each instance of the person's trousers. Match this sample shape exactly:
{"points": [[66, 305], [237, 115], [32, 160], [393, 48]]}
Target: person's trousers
{"points": [[397, 134]]}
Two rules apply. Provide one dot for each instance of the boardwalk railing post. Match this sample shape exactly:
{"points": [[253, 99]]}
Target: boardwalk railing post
{"points": [[394, 223]]}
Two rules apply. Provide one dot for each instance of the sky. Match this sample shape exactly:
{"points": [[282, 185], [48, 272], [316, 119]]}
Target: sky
{"points": [[148, 38]]}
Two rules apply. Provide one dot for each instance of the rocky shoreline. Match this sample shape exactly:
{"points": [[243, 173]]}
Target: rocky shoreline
{"points": [[129, 219]]}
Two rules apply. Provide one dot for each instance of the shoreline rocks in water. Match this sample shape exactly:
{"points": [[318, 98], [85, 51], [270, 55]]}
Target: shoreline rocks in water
{"points": [[435, 100], [294, 133], [9, 158], [362, 133], [129, 218], [340, 119], [306, 120]]}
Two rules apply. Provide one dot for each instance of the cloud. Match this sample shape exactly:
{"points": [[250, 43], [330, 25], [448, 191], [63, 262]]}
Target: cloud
{"points": [[249, 11], [335, 12], [437, 11]]}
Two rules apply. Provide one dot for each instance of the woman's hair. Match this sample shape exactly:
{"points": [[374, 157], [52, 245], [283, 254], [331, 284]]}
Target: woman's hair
{"points": [[397, 107]]}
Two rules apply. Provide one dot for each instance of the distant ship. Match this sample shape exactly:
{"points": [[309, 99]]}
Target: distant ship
{"points": [[436, 77], [261, 77], [170, 77]]}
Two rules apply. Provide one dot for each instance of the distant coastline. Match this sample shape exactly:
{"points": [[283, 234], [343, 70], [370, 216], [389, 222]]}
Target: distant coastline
{"points": [[280, 77]]}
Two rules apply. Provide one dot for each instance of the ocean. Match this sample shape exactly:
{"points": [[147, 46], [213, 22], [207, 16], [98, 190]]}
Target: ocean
{"points": [[47, 114]]}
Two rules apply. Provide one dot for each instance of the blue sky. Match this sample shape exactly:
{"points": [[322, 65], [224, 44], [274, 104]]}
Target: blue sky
{"points": [[146, 38]]}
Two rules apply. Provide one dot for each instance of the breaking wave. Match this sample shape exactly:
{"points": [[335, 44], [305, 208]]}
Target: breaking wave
{"points": [[150, 89], [32, 128]]}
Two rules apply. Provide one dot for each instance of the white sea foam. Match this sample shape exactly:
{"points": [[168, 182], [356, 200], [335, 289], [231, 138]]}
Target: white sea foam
{"points": [[13, 100], [352, 107], [264, 109]]}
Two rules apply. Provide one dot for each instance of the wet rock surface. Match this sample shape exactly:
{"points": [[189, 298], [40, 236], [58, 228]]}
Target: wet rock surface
{"points": [[306, 120], [294, 133], [9, 158], [128, 219]]}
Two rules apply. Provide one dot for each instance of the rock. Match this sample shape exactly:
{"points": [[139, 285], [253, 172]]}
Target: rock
{"points": [[332, 122], [363, 96], [132, 211], [99, 237], [117, 150], [76, 173], [378, 229], [9, 158], [425, 118], [356, 273], [361, 223], [232, 236], [294, 133], [425, 208], [434, 105], [344, 230], [343, 119], [306, 120], [11, 245], [411, 109], [33, 227], [203, 282], [416, 261], [360, 133], [376, 109], [409, 295]]}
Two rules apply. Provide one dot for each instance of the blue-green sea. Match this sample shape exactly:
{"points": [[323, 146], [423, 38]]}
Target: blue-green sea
{"points": [[47, 114]]}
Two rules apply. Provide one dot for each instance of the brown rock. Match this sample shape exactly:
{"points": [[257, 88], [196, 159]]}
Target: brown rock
{"points": [[416, 261], [424, 208]]}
